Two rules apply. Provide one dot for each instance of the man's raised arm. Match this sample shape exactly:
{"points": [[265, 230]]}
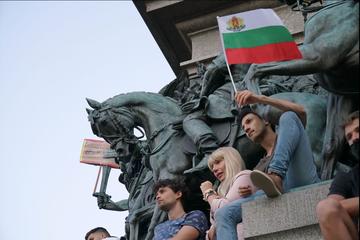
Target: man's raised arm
{"points": [[247, 97]]}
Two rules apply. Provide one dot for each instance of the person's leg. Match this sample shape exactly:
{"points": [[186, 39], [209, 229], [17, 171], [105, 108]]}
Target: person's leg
{"points": [[204, 138], [227, 218], [335, 222], [293, 157]]}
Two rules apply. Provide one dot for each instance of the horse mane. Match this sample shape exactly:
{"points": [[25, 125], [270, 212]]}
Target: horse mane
{"points": [[153, 101]]}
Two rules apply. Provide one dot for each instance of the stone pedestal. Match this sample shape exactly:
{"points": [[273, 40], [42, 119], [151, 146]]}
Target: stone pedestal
{"points": [[290, 216]]}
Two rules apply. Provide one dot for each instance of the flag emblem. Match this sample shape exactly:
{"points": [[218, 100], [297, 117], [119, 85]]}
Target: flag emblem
{"points": [[235, 24]]}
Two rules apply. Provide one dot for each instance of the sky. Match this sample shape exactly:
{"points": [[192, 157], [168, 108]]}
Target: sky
{"points": [[53, 55]]}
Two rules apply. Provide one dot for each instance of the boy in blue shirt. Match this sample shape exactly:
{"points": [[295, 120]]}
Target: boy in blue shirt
{"points": [[181, 225]]}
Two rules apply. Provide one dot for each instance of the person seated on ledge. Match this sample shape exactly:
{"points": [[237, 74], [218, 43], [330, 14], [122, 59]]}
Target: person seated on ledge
{"points": [[338, 211], [99, 233], [229, 168], [288, 162], [170, 196]]}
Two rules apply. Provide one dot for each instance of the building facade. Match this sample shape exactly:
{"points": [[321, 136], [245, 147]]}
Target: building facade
{"points": [[187, 31]]}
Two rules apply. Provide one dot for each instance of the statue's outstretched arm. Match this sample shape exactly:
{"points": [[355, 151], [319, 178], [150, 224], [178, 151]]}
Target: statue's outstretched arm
{"points": [[104, 202]]}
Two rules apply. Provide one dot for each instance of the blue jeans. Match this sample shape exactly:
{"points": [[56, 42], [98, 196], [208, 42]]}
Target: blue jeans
{"points": [[292, 159], [229, 216]]}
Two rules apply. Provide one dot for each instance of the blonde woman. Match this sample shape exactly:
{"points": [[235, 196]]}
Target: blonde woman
{"points": [[229, 168]]}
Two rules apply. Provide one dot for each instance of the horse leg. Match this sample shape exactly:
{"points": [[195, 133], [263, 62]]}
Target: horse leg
{"points": [[158, 217], [288, 68], [338, 108], [204, 138], [310, 63], [136, 223], [133, 219]]}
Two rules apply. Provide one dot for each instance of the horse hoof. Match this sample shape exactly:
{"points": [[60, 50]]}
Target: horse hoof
{"points": [[201, 166], [195, 169]]}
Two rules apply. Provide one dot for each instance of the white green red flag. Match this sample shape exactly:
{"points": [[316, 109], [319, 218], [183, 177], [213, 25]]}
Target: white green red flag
{"points": [[256, 36]]}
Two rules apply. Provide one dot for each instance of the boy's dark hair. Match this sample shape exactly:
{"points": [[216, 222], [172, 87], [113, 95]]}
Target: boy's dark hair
{"points": [[97, 229], [352, 116], [175, 185]]}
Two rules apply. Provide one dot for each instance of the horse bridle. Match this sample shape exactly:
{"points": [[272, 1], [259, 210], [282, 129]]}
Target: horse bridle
{"points": [[128, 136]]}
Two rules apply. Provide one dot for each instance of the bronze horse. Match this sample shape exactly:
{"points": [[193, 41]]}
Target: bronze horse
{"points": [[159, 116]]}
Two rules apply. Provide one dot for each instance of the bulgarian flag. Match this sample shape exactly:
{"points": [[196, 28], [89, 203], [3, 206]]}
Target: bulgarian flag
{"points": [[256, 36]]}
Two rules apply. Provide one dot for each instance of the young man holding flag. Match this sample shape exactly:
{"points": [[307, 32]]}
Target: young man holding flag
{"points": [[259, 36], [256, 36], [288, 162]]}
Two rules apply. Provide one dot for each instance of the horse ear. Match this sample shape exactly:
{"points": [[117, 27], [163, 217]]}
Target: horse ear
{"points": [[94, 104], [88, 111]]}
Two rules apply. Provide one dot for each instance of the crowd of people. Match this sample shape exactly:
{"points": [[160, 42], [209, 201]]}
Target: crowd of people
{"points": [[288, 163]]}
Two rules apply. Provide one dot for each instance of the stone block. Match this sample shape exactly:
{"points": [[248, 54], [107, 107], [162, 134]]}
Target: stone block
{"points": [[289, 216], [311, 232]]}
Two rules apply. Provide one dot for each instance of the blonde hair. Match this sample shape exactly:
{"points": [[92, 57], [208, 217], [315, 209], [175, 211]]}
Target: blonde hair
{"points": [[233, 165]]}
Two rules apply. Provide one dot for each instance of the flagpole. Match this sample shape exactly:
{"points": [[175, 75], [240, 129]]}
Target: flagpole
{"points": [[231, 78], [97, 179], [226, 61]]}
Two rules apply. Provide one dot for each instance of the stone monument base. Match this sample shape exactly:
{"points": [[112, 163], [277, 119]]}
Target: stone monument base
{"points": [[290, 216]]}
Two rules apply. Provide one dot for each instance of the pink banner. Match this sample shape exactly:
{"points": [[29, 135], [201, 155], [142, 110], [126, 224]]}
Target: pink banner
{"points": [[93, 151]]}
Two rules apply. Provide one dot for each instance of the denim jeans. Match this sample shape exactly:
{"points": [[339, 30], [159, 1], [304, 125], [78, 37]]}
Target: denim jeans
{"points": [[227, 217], [292, 159]]}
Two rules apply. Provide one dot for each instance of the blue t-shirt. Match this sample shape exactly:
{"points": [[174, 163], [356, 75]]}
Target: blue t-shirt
{"points": [[169, 229]]}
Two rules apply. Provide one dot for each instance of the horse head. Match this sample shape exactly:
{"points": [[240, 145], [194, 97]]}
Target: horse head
{"points": [[115, 125], [115, 119]]}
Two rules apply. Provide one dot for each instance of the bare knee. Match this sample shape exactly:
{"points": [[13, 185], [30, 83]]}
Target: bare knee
{"points": [[327, 209]]}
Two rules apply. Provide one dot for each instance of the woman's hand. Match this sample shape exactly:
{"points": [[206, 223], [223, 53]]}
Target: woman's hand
{"points": [[211, 233], [245, 191], [205, 186]]}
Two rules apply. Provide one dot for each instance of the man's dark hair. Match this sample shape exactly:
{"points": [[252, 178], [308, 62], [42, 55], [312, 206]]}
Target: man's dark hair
{"points": [[245, 110], [350, 118], [175, 185], [97, 229]]}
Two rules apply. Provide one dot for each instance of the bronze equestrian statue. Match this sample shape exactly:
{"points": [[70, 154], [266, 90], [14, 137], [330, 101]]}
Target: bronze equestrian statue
{"points": [[168, 151]]}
